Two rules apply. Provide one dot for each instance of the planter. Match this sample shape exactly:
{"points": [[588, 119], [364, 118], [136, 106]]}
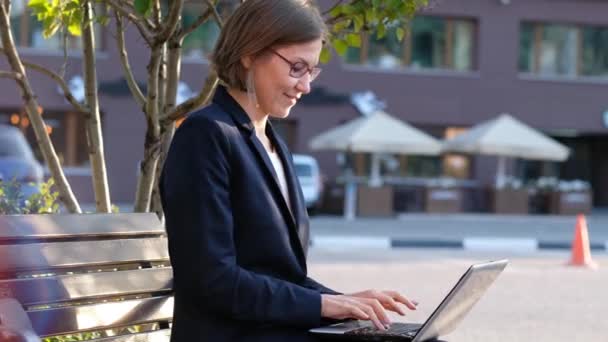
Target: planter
{"points": [[509, 201], [374, 201], [570, 203], [443, 200], [333, 199]]}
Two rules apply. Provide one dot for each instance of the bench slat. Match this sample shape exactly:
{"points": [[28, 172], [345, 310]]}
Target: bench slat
{"points": [[47, 290], [155, 336], [46, 256], [66, 320], [61, 226]]}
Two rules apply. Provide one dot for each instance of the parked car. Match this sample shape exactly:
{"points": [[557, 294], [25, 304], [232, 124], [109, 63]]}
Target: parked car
{"points": [[17, 160], [309, 175]]}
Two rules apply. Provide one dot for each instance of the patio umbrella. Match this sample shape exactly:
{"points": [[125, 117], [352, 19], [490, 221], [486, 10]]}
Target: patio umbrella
{"points": [[376, 134], [505, 137]]}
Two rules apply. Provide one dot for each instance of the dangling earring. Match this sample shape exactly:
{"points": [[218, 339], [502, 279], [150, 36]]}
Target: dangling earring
{"points": [[251, 94]]}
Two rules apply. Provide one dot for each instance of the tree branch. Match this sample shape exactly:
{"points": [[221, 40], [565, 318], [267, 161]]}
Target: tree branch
{"points": [[142, 24], [220, 23], [147, 21], [338, 3], [13, 75], [195, 102], [138, 95], [60, 81], [199, 21], [172, 22]]}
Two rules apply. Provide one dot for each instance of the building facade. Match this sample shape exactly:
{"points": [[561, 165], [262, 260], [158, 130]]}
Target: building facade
{"points": [[463, 62]]}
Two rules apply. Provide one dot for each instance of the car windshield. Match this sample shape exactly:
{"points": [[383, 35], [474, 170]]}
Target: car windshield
{"points": [[12, 145], [303, 170]]}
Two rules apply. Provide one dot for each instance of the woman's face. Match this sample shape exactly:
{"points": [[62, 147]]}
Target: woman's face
{"points": [[277, 91]]}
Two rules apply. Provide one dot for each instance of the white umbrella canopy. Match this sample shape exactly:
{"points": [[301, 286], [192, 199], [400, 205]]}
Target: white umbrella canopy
{"points": [[508, 137], [505, 137], [377, 133]]}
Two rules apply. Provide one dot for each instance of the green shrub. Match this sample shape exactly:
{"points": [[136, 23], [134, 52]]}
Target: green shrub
{"points": [[14, 202]]}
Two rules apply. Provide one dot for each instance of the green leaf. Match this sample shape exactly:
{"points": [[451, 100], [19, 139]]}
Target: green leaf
{"points": [[50, 27], [38, 6], [381, 33], [359, 21], [336, 11], [341, 46], [143, 7], [400, 33], [353, 39], [75, 23], [325, 56], [72, 6], [342, 25]]}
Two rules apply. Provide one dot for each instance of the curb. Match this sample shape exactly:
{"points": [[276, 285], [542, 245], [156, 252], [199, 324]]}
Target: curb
{"points": [[520, 245]]}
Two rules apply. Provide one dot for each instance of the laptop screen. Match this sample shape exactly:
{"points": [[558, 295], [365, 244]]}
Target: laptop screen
{"points": [[454, 307]]}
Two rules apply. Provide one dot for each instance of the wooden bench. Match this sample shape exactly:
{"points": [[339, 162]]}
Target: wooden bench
{"points": [[66, 274]]}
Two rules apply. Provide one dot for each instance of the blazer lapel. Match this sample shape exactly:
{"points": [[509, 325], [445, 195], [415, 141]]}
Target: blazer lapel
{"points": [[294, 231], [295, 195], [290, 175], [272, 176]]}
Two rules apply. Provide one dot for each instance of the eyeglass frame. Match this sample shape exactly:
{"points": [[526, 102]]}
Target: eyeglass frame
{"points": [[310, 70]]}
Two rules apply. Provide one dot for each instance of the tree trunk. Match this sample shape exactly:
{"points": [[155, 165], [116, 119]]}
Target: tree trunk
{"points": [[152, 142], [93, 121], [167, 127], [43, 140]]}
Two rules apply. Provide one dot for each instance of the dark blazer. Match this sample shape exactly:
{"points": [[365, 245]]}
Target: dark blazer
{"points": [[238, 253]]}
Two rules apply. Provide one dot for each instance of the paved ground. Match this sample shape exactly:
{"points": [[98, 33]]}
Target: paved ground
{"points": [[537, 298]]}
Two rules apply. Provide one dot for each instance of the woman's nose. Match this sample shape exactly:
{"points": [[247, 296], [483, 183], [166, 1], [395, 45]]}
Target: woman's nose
{"points": [[303, 84]]}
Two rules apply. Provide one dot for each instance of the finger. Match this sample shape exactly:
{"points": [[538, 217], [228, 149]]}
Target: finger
{"points": [[411, 304], [372, 316], [379, 310], [357, 313], [390, 304]]}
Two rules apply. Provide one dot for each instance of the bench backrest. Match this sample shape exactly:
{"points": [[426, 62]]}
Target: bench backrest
{"points": [[79, 273]]}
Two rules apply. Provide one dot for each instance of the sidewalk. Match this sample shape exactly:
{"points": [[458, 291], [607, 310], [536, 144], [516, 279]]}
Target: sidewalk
{"points": [[526, 233]]}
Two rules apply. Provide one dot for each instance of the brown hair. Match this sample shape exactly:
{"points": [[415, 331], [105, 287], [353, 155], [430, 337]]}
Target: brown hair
{"points": [[257, 25]]}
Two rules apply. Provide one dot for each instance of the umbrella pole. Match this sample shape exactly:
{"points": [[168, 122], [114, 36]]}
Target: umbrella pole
{"points": [[501, 172], [374, 179], [350, 194]]}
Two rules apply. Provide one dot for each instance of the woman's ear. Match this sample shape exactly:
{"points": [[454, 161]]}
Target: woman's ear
{"points": [[246, 61]]}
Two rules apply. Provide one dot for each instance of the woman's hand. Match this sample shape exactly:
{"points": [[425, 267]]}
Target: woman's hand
{"points": [[388, 299], [367, 305]]}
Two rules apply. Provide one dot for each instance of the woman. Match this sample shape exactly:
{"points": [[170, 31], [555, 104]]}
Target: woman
{"points": [[235, 215]]}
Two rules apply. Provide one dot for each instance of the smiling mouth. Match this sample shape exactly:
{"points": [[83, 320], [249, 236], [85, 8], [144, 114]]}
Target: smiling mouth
{"points": [[295, 98]]}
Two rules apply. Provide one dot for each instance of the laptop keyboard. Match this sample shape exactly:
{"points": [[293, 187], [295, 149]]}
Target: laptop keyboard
{"points": [[396, 330]]}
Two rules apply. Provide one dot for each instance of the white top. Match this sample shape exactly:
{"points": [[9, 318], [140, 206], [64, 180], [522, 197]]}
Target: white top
{"points": [[278, 167]]}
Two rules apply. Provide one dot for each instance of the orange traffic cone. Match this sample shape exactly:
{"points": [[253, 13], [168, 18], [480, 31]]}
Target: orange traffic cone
{"points": [[581, 251]]}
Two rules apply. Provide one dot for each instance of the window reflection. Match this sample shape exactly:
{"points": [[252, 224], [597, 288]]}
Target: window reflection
{"points": [[432, 43]]}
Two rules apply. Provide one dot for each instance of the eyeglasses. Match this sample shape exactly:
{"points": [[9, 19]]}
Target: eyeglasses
{"points": [[299, 69]]}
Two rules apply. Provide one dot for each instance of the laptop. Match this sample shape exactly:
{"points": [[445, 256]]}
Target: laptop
{"points": [[450, 312]]}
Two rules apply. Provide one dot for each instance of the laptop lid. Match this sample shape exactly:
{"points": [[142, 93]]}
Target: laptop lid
{"points": [[459, 301]]}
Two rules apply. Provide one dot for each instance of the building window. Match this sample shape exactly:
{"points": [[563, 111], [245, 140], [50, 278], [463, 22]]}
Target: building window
{"points": [[27, 31], [456, 165], [66, 130], [432, 43], [563, 50], [595, 52]]}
